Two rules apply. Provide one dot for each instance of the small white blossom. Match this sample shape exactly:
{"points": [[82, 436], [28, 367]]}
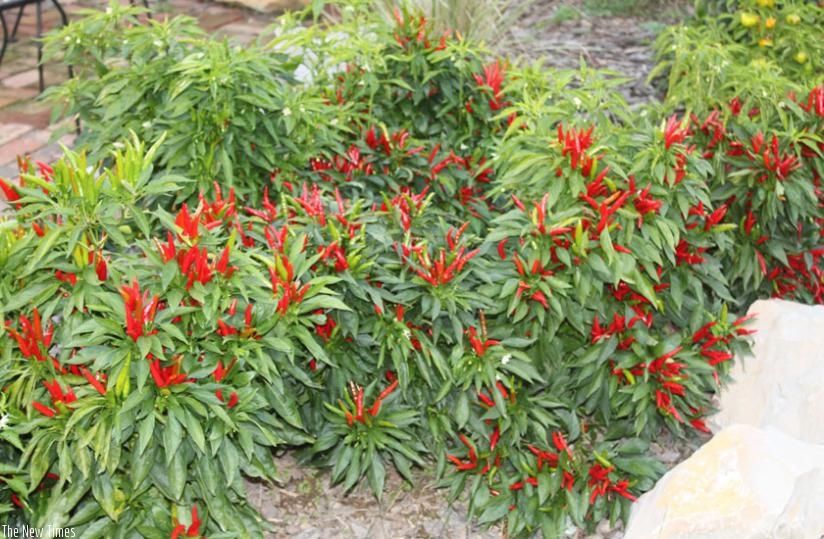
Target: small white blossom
{"points": [[577, 102], [4, 420], [506, 359], [146, 125], [287, 111], [407, 334], [302, 109]]}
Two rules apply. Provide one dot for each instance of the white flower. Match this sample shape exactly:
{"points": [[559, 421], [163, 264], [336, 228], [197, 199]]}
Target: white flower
{"points": [[577, 102], [407, 334], [506, 359], [287, 111], [4, 420]]}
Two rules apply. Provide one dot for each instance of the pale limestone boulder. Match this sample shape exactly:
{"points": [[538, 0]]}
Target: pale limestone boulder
{"points": [[782, 384], [269, 6], [745, 483]]}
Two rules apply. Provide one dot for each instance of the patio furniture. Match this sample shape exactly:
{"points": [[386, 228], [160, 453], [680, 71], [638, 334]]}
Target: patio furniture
{"points": [[6, 5]]}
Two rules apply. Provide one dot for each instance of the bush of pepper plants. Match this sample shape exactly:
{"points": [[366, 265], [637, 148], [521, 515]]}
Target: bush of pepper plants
{"points": [[222, 108], [768, 166], [489, 269], [749, 76], [761, 49]]}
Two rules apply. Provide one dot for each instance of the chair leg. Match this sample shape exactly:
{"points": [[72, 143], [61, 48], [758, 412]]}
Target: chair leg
{"points": [[17, 23], [64, 20], [40, 45], [5, 37], [146, 5]]}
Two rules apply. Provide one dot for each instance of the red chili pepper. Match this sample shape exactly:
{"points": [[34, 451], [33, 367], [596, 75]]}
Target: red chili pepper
{"points": [[502, 248], [703, 332], [70, 278], [486, 400], [744, 319], [522, 286], [385, 393], [493, 440], [95, 383], [716, 356], [540, 298], [560, 443], [656, 364], [359, 404], [10, 192], [473, 456], [502, 389], [166, 376], [761, 262], [673, 133], [350, 420], [45, 410]]}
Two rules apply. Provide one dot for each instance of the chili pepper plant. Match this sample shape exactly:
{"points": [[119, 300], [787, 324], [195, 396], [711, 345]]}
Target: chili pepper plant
{"points": [[755, 49]]}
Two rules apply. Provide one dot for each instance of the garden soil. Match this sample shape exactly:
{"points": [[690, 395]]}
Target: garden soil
{"points": [[304, 505]]}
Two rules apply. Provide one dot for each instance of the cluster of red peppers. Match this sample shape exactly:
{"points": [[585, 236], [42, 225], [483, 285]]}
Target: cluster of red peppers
{"points": [[357, 394]]}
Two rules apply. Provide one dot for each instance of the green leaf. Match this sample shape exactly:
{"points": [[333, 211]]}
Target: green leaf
{"points": [[177, 475], [195, 431]]}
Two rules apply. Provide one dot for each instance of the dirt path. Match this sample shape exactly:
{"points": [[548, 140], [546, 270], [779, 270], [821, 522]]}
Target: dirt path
{"points": [[564, 32]]}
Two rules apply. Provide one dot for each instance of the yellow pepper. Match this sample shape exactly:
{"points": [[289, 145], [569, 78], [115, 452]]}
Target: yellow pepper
{"points": [[749, 20], [770, 23]]}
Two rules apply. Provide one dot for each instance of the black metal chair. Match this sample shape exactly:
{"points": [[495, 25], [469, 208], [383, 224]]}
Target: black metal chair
{"points": [[6, 5]]}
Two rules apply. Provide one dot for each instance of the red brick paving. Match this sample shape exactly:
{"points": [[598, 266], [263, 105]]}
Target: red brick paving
{"points": [[24, 121], [23, 145]]}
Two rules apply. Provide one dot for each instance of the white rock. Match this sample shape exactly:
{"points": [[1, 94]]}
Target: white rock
{"points": [[745, 483], [782, 384]]}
